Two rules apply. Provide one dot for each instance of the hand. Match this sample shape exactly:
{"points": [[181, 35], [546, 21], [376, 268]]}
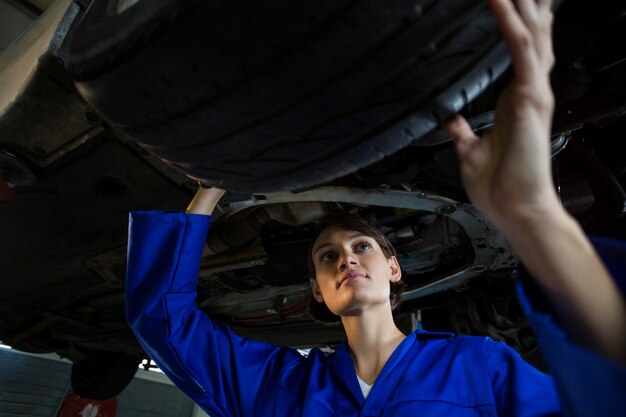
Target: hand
{"points": [[507, 175], [205, 200], [507, 171]]}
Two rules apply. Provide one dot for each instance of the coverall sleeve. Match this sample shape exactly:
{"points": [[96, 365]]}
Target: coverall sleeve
{"points": [[223, 373], [520, 390], [587, 384]]}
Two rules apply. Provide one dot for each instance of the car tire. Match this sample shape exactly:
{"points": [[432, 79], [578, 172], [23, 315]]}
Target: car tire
{"points": [[103, 376], [265, 96]]}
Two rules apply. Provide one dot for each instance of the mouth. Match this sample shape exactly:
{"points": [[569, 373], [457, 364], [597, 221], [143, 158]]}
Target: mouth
{"points": [[351, 276]]}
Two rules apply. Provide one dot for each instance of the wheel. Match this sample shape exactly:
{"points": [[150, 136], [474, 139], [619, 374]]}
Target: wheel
{"points": [[104, 376], [272, 95]]}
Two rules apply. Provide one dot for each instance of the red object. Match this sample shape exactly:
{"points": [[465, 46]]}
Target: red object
{"points": [[75, 406], [6, 192]]}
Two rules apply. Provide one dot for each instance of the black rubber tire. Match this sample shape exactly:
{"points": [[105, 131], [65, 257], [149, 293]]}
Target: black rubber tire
{"points": [[104, 376], [264, 95]]}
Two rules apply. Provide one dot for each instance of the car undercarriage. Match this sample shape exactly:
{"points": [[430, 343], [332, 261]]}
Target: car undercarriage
{"points": [[71, 173]]}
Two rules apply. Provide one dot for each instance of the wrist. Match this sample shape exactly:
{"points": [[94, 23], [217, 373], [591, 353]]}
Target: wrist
{"points": [[545, 240], [210, 193], [530, 216]]}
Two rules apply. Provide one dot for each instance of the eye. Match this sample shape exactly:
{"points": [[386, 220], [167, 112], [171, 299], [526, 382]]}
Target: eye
{"points": [[362, 246], [328, 256]]}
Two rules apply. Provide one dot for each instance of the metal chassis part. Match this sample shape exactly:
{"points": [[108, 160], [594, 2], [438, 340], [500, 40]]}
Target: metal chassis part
{"points": [[491, 252]]}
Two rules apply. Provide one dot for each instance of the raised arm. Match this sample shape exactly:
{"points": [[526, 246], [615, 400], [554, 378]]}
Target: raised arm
{"points": [[222, 372], [507, 175]]}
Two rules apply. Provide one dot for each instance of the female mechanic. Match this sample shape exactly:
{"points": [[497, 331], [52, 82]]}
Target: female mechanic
{"points": [[380, 371]]}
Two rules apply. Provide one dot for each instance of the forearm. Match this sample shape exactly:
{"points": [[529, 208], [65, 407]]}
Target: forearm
{"points": [[163, 260], [164, 253], [555, 251], [219, 370]]}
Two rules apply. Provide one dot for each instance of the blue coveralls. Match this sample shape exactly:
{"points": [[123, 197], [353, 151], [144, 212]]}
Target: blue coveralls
{"points": [[429, 374]]}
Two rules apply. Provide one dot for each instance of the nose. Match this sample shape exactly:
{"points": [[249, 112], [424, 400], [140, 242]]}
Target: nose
{"points": [[346, 259]]}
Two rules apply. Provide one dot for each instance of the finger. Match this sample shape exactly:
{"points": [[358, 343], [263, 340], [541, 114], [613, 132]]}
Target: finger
{"points": [[543, 38], [538, 19], [528, 10], [544, 4], [518, 38], [461, 133]]}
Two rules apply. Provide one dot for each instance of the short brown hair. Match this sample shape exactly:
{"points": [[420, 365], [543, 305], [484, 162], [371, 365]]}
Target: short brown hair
{"points": [[319, 311]]}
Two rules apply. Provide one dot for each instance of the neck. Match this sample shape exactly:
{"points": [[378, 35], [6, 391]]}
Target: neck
{"points": [[372, 338]]}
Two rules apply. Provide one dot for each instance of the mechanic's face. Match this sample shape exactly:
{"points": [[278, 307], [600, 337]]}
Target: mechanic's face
{"points": [[352, 272]]}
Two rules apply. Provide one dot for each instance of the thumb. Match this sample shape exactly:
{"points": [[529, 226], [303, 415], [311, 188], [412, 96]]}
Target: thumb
{"points": [[461, 133]]}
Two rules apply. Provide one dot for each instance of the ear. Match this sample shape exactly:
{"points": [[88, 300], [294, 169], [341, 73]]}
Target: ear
{"points": [[315, 289], [396, 271]]}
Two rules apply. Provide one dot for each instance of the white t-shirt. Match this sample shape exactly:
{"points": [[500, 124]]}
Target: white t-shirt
{"points": [[365, 388]]}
